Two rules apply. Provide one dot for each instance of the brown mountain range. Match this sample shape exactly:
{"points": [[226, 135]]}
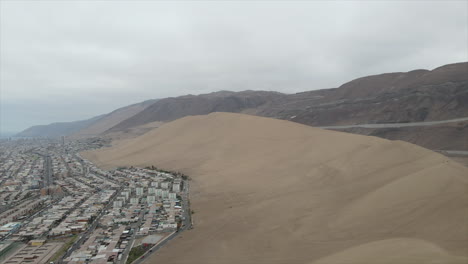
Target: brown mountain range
{"points": [[402, 97], [169, 109], [272, 191], [414, 96]]}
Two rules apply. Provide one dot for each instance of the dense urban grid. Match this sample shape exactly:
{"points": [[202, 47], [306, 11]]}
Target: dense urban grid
{"points": [[57, 207]]}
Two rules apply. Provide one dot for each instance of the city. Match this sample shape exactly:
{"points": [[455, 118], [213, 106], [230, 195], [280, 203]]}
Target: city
{"points": [[57, 207]]}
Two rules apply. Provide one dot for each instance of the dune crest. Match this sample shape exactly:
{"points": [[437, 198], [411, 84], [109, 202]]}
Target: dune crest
{"points": [[273, 191], [404, 251]]}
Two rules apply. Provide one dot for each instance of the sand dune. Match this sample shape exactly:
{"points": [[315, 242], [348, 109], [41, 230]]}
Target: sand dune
{"points": [[131, 133], [272, 191], [395, 251], [107, 121]]}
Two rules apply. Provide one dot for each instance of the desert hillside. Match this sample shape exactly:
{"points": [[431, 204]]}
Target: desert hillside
{"points": [[172, 108], [449, 136], [414, 96], [273, 191], [111, 119], [397, 97], [95, 126], [57, 129]]}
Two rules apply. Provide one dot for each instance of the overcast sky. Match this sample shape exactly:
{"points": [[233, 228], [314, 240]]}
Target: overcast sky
{"points": [[71, 60]]}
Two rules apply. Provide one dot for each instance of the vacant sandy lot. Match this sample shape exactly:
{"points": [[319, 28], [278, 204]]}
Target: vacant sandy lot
{"points": [[272, 191]]}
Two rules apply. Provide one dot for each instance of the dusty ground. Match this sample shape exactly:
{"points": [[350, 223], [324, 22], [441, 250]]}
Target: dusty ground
{"points": [[272, 191], [460, 159], [110, 120], [129, 134], [450, 136]]}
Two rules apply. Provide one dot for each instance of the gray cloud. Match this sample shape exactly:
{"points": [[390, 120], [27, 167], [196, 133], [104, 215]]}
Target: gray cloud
{"points": [[71, 60]]}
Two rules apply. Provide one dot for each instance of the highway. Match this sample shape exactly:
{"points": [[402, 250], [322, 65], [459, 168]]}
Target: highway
{"points": [[155, 248], [47, 176], [187, 224], [29, 218], [135, 227], [84, 236], [396, 125], [454, 152], [69, 172]]}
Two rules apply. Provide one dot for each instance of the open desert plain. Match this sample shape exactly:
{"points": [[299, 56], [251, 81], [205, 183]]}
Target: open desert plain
{"points": [[271, 191]]}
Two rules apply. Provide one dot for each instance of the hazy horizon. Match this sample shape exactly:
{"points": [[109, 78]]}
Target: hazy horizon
{"points": [[68, 61]]}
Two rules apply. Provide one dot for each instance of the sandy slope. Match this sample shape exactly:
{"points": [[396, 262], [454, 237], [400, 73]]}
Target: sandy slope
{"points": [[272, 191], [131, 133], [395, 251], [109, 120], [462, 159]]}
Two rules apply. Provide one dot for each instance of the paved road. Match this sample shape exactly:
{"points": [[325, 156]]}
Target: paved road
{"points": [[69, 171], [84, 236], [47, 177], [28, 219], [155, 248], [11, 205], [455, 152], [187, 224], [396, 125], [48, 171], [135, 228], [4, 174]]}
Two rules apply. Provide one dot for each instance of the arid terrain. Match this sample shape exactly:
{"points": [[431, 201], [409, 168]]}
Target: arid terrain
{"points": [[399, 97], [234, 132], [273, 191], [109, 120], [450, 136]]}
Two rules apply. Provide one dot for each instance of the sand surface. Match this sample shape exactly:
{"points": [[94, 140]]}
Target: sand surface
{"points": [[120, 137], [460, 159], [111, 119], [273, 191]]}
